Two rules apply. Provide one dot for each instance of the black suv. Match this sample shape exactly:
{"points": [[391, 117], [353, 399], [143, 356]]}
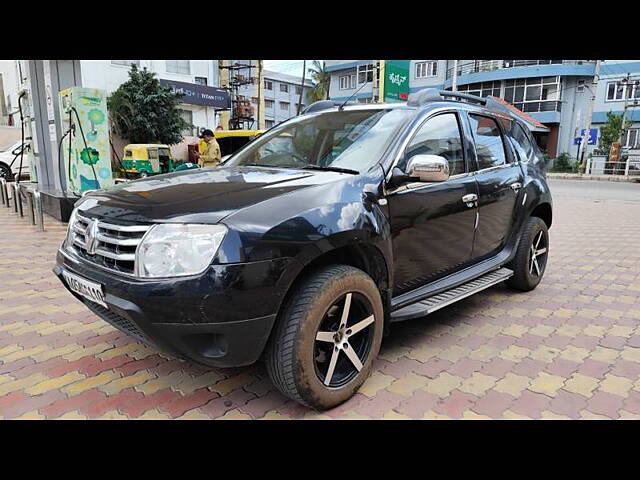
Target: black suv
{"points": [[307, 243]]}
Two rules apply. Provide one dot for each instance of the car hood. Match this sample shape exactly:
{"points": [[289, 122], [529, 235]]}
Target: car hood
{"points": [[199, 196]]}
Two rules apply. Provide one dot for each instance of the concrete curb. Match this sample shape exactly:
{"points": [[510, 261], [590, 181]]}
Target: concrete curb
{"points": [[601, 178]]}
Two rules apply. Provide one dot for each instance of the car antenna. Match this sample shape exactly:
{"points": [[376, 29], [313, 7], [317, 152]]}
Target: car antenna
{"points": [[341, 107]]}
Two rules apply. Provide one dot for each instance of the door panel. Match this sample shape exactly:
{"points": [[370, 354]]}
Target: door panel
{"points": [[498, 181], [496, 208], [432, 231]]}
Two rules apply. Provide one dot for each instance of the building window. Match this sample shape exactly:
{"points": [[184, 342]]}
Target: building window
{"points": [[298, 90], [632, 139], [268, 104], [481, 89], [201, 80], [179, 66], [365, 73], [126, 63], [268, 85], [347, 82], [617, 91], [268, 123], [284, 88], [580, 86], [284, 106], [187, 116], [535, 94], [426, 69]]}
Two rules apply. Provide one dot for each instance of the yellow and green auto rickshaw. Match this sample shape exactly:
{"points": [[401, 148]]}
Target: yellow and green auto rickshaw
{"points": [[145, 159]]}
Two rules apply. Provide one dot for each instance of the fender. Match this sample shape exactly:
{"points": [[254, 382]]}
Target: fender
{"points": [[305, 229]]}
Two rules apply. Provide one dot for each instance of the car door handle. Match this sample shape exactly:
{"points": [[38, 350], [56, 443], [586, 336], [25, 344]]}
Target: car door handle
{"points": [[516, 186], [471, 197]]}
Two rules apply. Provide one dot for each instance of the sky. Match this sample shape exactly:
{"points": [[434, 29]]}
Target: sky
{"points": [[291, 67]]}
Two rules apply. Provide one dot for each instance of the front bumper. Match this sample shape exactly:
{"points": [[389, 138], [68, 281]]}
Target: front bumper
{"points": [[220, 318]]}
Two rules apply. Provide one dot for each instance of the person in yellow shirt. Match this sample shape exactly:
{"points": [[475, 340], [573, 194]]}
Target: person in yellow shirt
{"points": [[210, 156]]}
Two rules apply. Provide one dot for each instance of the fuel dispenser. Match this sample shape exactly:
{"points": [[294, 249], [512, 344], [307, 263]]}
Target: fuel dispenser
{"points": [[87, 159]]}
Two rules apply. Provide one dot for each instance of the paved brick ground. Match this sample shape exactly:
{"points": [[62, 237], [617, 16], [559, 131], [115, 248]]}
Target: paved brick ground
{"points": [[569, 349]]}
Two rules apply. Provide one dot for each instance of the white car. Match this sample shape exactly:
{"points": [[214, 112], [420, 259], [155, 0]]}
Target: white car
{"points": [[8, 167]]}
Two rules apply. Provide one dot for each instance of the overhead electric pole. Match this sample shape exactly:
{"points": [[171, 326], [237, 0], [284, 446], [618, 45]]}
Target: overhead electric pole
{"points": [[587, 119], [454, 77], [224, 83], [304, 69], [260, 94]]}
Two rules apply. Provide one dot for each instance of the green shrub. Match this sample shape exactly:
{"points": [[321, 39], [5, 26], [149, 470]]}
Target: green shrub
{"points": [[562, 164]]}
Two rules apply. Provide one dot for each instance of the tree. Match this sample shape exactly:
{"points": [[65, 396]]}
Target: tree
{"points": [[610, 132], [142, 110], [321, 79]]}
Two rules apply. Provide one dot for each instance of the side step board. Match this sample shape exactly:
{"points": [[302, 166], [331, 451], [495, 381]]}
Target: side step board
{"points": [[436, 302]]}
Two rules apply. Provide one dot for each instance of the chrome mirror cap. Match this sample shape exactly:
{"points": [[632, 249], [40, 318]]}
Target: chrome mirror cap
{"points": [[428, 168]]}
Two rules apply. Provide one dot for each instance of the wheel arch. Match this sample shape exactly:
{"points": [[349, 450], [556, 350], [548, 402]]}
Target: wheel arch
{"points": [[543, 211], [365, 256]]}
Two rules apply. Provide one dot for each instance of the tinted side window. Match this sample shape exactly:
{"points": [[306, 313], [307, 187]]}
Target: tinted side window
{"points": [[489, 146], [522, 143], [440, 135]]}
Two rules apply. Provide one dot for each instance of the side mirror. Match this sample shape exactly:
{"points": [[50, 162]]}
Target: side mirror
{"points": [[428, 168]]}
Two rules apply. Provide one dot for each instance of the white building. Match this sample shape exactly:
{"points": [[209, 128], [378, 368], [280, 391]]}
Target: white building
{"points": [[110, 74]]}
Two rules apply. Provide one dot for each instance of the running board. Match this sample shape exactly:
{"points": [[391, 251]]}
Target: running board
{"points": [[436, 302]]}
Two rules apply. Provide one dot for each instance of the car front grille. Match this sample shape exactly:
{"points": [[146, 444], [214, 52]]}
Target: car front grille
{"points": [[118, 321], [109, 245]]}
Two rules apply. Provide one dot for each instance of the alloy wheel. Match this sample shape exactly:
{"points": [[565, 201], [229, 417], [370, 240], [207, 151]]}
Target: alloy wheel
{"points": [[343, 340], [538, 254]]}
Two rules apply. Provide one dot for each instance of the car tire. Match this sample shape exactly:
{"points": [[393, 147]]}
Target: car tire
{"points": [[310, 356], [530, 261], [5, 172]]}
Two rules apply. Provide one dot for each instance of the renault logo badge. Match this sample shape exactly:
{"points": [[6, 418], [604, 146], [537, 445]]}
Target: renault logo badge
{"points": [[91, 237]]}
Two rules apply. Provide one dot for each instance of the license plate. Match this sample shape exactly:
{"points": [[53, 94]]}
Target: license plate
{"points": [[89, 290]]}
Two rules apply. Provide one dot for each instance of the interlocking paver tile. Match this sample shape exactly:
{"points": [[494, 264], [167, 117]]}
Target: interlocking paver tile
{"points": [[581, 384], [530, 404], [443, 384], [512, 384], [547, 384], [607, 404], [616, 385]]}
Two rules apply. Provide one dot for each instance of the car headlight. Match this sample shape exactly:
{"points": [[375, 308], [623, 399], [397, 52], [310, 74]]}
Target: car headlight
{"points": [[174, 250], [68, 240]]}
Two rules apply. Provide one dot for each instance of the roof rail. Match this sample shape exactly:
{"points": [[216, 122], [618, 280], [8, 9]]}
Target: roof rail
{"points": [[323, 105], [464, 96], [422, 97]]}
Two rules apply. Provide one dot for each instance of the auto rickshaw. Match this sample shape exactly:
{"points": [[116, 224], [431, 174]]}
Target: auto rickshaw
{"points": [[144, 159]]}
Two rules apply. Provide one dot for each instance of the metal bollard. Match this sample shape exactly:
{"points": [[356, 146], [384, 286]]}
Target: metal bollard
{"points": [[14, 197], [37, 200], [3, 191], [32, 215], [18, 195]]}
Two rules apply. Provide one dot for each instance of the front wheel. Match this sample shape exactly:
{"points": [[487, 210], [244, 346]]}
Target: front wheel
{"points": [[531, 257], [327, 338], [5, 172]]}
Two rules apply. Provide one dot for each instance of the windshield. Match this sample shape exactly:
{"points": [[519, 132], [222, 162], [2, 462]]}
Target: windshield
{"points": [[353, 140]]}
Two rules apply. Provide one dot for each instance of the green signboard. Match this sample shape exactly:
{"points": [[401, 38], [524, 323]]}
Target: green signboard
{"points": [[396, 80]]}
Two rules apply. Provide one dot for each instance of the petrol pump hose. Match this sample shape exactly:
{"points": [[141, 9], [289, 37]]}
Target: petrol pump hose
{"points": [[85, 145]]}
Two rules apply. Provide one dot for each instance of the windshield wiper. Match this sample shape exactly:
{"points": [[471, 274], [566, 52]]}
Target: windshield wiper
{"points": [[330, 169]]}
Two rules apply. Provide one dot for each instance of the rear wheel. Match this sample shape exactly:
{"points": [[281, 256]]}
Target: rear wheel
{"points": [[531, 257], [327, 338]]}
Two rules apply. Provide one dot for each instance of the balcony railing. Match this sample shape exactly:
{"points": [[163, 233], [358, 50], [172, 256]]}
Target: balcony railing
{"points": [[541, 106], [476, 66]]}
